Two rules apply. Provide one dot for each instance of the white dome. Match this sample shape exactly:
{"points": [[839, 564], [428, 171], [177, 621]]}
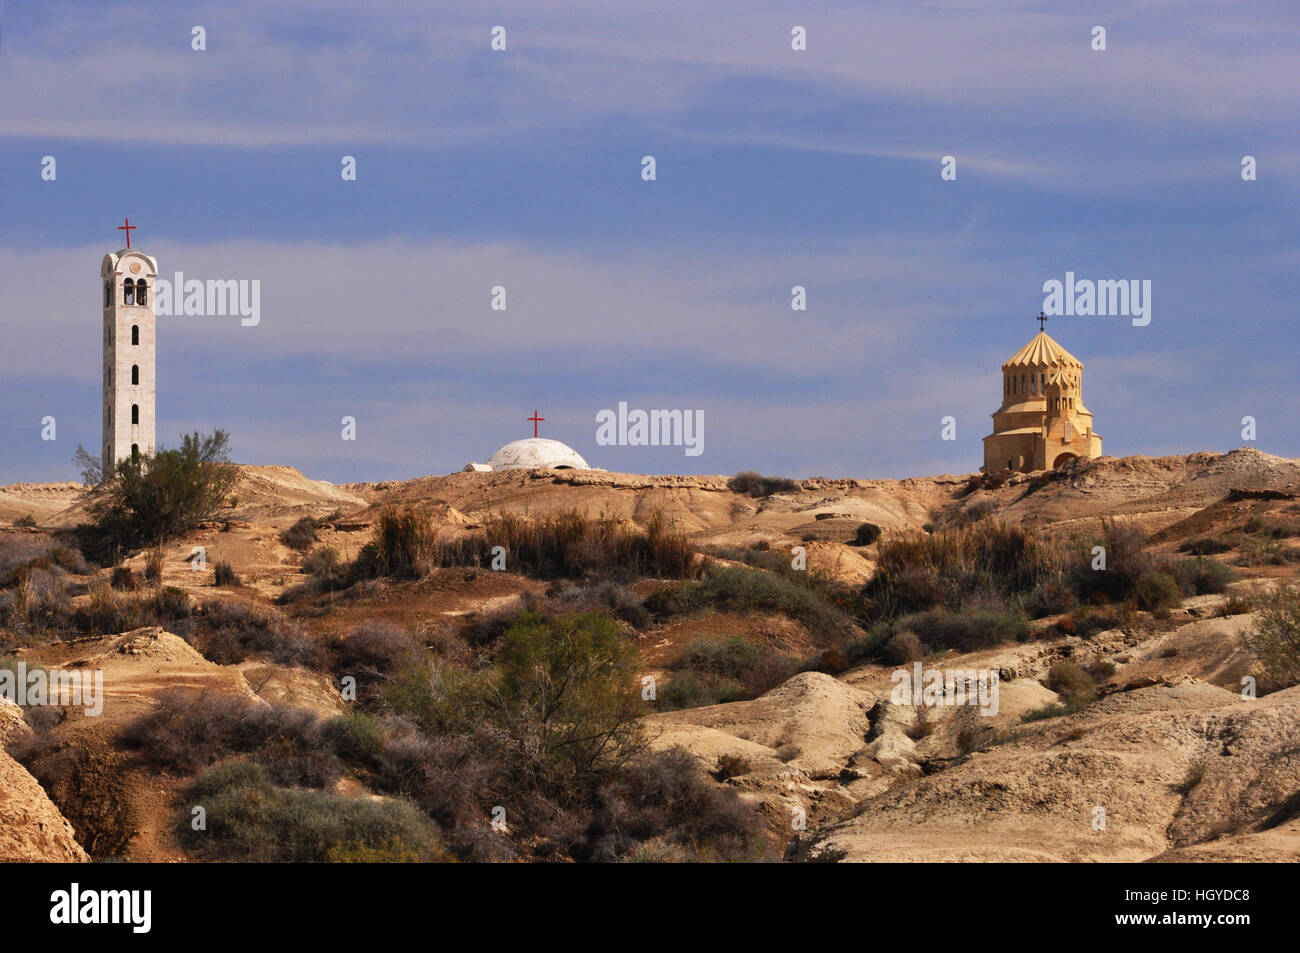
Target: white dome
{"points": [[537, 452]]}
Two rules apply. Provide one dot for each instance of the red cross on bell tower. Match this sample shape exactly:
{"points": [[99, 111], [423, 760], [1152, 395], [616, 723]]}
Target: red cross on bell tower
{"points": [[128, 227]]}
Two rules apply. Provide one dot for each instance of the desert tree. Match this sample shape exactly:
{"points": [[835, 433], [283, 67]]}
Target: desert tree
{"points": [[156, 497]]}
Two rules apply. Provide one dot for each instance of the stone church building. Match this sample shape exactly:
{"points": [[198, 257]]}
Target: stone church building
{"points": [[1042, 422]]}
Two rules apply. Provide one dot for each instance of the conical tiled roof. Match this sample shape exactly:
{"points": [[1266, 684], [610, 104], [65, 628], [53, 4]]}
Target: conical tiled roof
{"points": [[1042, 351]]}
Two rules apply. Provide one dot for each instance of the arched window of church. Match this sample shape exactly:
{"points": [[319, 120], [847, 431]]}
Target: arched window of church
{"points": [[141, 293], [135, 334], [135, 374], [130, 291], [135, 450], [135, 413]]}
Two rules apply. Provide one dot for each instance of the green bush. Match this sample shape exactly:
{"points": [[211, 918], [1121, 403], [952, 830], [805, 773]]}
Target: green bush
{"points": [[568, 691], [1276, 640], [356, 737], [696, 690], [1156, 591], [157, 497], [965, 631], [249, 819], [733, 589], [551, 728], [727, 668], [1201, 576]]}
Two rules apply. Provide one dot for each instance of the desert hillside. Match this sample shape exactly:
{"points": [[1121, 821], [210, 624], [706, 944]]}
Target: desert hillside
{"points": [[351, 651]]}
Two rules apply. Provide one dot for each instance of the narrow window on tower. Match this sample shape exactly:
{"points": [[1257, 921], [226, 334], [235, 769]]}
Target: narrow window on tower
{"points": [[135, 374], [108, 294], [135, 413], [135, 450], [130, 292], [135, 334], [141, 293]]}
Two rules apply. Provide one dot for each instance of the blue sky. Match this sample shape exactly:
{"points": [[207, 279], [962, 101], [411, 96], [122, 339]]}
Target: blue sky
{"points": [[775, 168]]}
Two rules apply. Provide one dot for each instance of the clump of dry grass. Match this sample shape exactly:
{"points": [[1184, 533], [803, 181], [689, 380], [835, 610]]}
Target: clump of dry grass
{"points": [[563, 545]]}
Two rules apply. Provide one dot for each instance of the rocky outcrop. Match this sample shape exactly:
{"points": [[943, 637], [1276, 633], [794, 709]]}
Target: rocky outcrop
{"points": [[31, 827]]}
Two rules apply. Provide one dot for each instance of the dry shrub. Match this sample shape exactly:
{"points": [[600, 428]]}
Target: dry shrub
{"points": [[904, 647], [403, 546], [732, 766], [186, 731], [375, 651], [1071, 682], [223, 574], [919, 570], [153, 566], [124, 579], [866, 534], [228, 632], [751, 483], [564, 545], [301, 535]]}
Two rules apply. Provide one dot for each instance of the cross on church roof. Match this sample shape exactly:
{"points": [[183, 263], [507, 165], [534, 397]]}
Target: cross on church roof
{"points": [[128, 227], [535, 419], [1042, 321]]}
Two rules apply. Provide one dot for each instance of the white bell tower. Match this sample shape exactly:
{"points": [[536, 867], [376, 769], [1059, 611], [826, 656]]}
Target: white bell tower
{"points": [[130, 385]]}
